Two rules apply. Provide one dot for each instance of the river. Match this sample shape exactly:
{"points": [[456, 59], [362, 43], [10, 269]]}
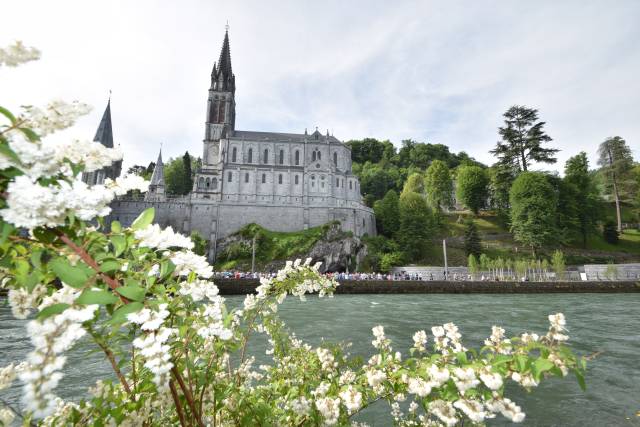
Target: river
{"points": [[606, 323]]}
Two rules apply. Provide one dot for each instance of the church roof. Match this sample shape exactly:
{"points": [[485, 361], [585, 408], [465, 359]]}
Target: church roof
{"points": [[224, 63], [104, 134], [283, 137], [157, 178]]}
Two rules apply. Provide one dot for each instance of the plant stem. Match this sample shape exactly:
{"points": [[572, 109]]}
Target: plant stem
{"points": [[188, 396], [176, 401]]}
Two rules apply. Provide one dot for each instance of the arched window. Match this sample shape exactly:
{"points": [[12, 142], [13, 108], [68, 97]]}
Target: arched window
{"points": [[296, 179], [319, 155], [221, 111], [265, 156], [246, 177], [230, 175], [250, 159], [234, 154], [201, 182], [313, 180], [313, 156], [297, 158], [264, 178], [214, 183], [279, 178], [281, 157], [335, 159], [337, 182], [350, 185], [207, 184]]}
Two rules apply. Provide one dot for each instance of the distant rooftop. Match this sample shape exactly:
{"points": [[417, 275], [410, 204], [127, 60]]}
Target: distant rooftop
{"points": [[280, 136]]}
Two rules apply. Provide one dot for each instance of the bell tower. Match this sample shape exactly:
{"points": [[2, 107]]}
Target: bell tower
{"points": [[221, 105]]}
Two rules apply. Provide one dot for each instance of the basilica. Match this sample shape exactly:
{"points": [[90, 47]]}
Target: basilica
{"points": [[282, 181]]}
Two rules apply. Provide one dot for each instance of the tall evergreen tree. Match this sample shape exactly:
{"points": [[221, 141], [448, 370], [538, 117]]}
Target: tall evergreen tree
{"points": [[617, 162], [472, 244], [522, 139], [438, 185], [414, 184], [587, 205], [188, 176], [416, 225], [386, 211]]}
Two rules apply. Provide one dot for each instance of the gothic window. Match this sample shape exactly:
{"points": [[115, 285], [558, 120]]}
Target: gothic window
{"points": [[335, 159], [265, 156], [350, 185], [207, 184], [337, 182], [230, 177], [296, 179], [250, 155], [319, 155], [313, 180], [281, 157], [280, 179], [201, 182], [297, 157], [234, 154], [221, 112], [313, 156], [246, 177], [264, 178], [214, 183]]}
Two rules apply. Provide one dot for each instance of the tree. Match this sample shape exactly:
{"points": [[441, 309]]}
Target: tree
{"points": [[416, 225], [472, 264], [587, 205], [370, 150], [533, 210], [472, 187], [558, 264], [610, 233], [472, 239], [500, 180], [616, 161], [414, 184], [188, 176], [174, 176], [386, 211], [522, 139], [438, 185]]}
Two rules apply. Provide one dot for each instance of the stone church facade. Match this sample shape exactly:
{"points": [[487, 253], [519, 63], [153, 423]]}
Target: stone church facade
{"points": [[282, 181]]}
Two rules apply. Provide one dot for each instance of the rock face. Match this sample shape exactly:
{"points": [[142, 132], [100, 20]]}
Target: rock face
{"points": [[338, 251]]}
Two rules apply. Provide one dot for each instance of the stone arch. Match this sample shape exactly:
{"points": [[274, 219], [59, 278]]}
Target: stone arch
{"points": [[281, 157], [250, 156], [265, 156], [297, 159], [234, 154], [201, 182]]}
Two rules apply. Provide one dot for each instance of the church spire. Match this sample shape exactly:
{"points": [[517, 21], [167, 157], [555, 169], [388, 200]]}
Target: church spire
{"points": [[104, 134], [222, 77], [156, 186]]}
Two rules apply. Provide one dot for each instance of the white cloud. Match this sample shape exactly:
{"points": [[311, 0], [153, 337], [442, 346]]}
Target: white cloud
{"points": [[431, 71]]}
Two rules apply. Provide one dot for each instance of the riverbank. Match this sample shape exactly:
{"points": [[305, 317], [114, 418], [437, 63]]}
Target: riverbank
{"points": [[247, 286]]}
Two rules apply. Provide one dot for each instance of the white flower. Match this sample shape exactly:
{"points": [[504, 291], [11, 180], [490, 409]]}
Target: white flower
{"points": [[199, 289], [14, 55], [507, 408], [419, 340], [347, 377], [301, 406], [375, 377], [156, 353], [6, 416], [351, 398], [326, 359], [153, 236], [437, 331], [329, 409], [492, 380], [444, 411], [465, 378], [472, 409], [57, 115], [150, 320], [187, 261], [438, 375], [419, 387], [124, 184]]}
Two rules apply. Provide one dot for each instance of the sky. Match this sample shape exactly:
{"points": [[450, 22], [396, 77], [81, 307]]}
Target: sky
{"points": [[431, 71]]}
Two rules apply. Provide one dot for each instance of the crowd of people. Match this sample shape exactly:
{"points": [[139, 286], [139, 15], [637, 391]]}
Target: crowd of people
{"points": [[348, 276]]}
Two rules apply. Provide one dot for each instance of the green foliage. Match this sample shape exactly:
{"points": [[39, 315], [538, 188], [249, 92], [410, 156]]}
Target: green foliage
{"points": [[370, 150], [472, 187], [200, 244], [178, 175], [522, 139], [472, 244], [386, 212], [438, 185], [533, 210], [414, 184], [472, 264], [416, 225], [586, 203], [558, 263], [610, 233]]}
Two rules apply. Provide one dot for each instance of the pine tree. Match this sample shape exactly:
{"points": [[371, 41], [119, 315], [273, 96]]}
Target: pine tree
{"points": [[522, 139], [610, 233], [616, 161], [187, 183], [472, 244]]}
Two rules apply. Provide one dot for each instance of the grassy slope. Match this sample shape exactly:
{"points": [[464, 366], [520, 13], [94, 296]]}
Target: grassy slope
{"points": [[497, 242]]}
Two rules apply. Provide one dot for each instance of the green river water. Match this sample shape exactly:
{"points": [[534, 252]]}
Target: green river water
{"points": [[607, 323]]}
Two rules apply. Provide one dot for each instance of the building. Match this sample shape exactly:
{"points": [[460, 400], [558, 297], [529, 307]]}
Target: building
{"points": [[104, 135], [282, 181]]}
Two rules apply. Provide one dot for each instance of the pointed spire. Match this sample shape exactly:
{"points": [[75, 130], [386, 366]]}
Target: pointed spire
{"points": [[157, 178], [224, 63], [104, 134], [222, 71]]}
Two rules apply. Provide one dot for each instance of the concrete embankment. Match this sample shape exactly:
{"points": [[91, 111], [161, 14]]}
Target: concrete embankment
{"points": [[242, 287]]}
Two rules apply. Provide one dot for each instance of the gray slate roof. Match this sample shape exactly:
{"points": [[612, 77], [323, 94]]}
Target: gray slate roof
{"points": [[104, 134], [157, 178], [282, 137]]}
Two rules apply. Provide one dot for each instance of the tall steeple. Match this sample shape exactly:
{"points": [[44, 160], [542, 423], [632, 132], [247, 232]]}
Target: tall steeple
{"points": [[156, 186], [221, 104], [104, 134]]}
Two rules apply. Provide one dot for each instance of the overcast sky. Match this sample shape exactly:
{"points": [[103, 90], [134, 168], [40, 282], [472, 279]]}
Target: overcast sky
{"points": [[439, 72]]}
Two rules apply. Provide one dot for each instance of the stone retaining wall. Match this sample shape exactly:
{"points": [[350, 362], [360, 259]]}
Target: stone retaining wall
{"points": [[242, 287]]}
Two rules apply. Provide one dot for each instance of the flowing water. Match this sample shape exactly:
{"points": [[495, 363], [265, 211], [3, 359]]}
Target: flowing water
{"points": [[607, 323]]}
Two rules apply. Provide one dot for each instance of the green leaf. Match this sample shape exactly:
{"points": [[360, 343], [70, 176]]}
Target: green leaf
{"points": [[462, 357], [74, 276], [133, 293], [119, 243], [30, 134], [7, 229], [8, 115], [580, 377], [166, 268], [521, 362], [120, 315], [96, 297], [144, 219], [51, 310], [116, 227], [542, 365], [36, 258], [110, 265]]}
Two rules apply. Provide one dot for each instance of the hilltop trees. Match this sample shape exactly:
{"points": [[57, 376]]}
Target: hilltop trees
{"points": [[472, 187], [522, 139], [416, 225], [472, 240], [178, 174], [386, 211], [533, 210], [617, 162], [587, 204], [438, 185]]}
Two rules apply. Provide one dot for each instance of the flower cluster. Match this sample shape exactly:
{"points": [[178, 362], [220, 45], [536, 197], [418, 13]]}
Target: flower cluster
{"points": [[153, 236], [17, 54], [188, 261], [23, 301]]}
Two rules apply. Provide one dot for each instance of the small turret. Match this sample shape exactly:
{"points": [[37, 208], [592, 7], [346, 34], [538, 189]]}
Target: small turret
{"points": [[156, 186]]}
